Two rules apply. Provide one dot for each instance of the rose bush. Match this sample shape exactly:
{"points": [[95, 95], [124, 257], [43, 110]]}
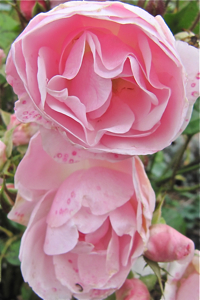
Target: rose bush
{"points": [[87, 222], [106, 76], [183, 280]]}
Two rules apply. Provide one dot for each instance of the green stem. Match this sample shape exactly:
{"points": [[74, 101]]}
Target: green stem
{"points": [[7, 245], [178, 161], [187, 189], [6, 231], [185, 169], [196, 21]]}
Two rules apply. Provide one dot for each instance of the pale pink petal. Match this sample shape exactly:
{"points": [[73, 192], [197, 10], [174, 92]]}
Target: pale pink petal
{"points": [[67, 272], [86, 222], [113, 190], [29, 173], [123, 220], [59, 240]]}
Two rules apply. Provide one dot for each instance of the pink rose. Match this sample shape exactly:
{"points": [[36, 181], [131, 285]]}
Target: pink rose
{"points": [[23, 132], [2, 154], [183, 280], [133, 289], [106, 76], [87, 223], [167, 244], [26, 7]]}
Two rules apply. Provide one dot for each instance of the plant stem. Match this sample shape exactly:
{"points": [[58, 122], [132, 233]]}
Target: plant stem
{"points": [[187, 188], [178, 162], [195, 22], [6, 231]]}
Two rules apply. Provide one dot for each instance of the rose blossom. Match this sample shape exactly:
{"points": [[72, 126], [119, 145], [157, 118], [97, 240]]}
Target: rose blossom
{"points": [[23, 132], [183, 280], [133, 289], [106, 76], [87, 222], [167, 244]]}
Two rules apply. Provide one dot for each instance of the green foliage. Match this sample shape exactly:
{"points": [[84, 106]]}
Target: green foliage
{"points": [[156, 268], [184, 18], [194, 124], [13, 253], [149, 280], [9, 30]]}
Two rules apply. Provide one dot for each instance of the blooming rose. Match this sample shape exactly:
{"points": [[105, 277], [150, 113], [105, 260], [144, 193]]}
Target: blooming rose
{"points": [[133, 289], [183, 280], [87, 223], [23, 132], [106, 76], [167, 244]]}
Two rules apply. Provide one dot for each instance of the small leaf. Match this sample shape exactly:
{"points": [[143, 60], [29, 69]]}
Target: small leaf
{"points": [[149, 280], [8, 141], [157, 213], [183, 19], [111, 297], [156, 268], [5, 117], [193, 126], [174, 219], [13, 253]]}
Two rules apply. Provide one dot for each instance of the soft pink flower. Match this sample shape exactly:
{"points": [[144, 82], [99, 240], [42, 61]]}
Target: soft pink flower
{"points": [[183, 281], [23, 132], [87, 223], [167, 244], [133, 289], [2, 154], [107, 76], [26, 7]]}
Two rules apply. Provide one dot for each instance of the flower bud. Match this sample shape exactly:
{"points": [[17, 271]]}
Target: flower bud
{"points": [[27, 7], [167, 244], [2, 154], [22, 132], [133, 289]]}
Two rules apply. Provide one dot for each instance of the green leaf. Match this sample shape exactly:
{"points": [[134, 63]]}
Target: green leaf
{"points": [[149, 280], [111, 297], [26, 291], [157, 213], [156, 268], [9, 30], [13, 253], [38, 8], [182, 19], [5, 117], [174, 219], [194, 124], [7, 139]]}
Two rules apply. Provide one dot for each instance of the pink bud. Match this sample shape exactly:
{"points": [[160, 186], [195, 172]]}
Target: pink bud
{"points": [[2, 55], [167, 244], [2, 154], [133, 289], [26, 7], [22, 132]]}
